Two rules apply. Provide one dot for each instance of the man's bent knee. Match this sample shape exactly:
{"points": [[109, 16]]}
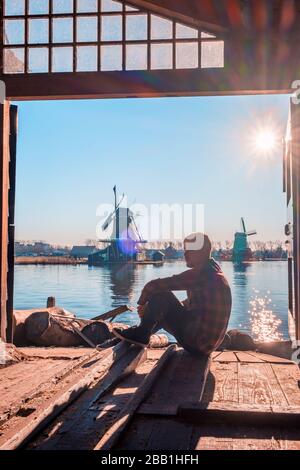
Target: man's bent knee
{"points": [[162, 297]]}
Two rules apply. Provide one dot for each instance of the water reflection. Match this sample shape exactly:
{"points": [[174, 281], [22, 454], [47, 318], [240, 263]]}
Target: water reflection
{"points": [[122, 280], [264, 323], [239, 287], [240, 268]]}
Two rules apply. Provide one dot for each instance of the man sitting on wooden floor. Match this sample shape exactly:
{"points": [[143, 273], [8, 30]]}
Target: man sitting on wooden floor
{"points": [[200, 322]]}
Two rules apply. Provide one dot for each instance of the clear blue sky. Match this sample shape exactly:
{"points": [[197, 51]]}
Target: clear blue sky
{"points": [[173, 150]]}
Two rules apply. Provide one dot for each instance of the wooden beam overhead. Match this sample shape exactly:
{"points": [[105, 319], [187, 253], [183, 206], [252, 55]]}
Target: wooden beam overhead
{"points": [[192, 12], [239, 77], [230, 16]]}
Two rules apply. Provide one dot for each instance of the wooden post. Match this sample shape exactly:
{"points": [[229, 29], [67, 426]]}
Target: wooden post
{"points": [[295, 198], [4, 185], [11, 220], [50, 302]]}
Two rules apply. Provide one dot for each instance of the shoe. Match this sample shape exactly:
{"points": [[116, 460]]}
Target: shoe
{"points": [[134, 335]]}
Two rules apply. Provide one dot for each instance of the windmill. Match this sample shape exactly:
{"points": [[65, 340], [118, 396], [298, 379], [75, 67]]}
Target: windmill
{"points": [[123, 243], [124, 225], [241, 250]]}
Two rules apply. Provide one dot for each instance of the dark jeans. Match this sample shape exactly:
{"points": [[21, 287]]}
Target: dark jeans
{"points": [[165, 311]]}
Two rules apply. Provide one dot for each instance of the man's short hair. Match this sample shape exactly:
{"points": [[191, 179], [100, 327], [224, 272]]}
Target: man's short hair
{"points": [[198, 242]]}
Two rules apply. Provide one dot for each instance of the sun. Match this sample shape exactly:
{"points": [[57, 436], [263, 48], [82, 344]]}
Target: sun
{"points": [[265, 140], [261, 140]]}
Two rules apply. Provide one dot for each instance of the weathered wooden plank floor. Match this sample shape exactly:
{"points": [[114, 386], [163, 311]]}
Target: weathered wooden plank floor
{"points": [[42, 366], [235, 382], [34, 390], [246, 380]]}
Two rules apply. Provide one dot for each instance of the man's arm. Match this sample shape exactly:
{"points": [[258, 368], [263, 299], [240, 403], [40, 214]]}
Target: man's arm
{"points": [[183, 281]]}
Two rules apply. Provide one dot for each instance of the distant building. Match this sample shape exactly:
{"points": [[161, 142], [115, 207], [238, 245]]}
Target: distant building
{"points": [[82, 251], [41, 248], [60, 252], [31, 249]]}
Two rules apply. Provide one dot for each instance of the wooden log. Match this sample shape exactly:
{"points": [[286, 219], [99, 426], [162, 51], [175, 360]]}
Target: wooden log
{"points": [[40, 418], [44, 329], [158, 341], [83, 336], [240, 414], [281, 349], [110, 438], [20, 317], [97, 332]]}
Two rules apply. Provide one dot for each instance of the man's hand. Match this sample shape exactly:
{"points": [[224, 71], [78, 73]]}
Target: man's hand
{"points": [[141, 310]]}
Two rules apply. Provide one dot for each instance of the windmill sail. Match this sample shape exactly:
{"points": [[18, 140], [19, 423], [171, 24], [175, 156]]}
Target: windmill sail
{"points": [[111, 216], [243, 225]]}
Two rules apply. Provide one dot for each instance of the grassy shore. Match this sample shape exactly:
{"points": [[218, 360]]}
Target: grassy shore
{"points": [[48, 260]]}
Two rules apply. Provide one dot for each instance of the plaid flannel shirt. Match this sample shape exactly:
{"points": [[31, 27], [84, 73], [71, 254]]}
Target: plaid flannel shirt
{"points": [[208, 300]]}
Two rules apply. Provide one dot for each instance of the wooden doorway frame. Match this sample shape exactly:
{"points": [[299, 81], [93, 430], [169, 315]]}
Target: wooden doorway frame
{"points": [[8, 141]]}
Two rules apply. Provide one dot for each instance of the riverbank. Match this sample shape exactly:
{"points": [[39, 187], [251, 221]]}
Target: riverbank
{"points": [[64, 260]]}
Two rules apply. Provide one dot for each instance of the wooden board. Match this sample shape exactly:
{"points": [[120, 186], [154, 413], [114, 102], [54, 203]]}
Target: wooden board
{"points": [[80, 426], [222, 383], [252, 415], [225, 437], [271, 359], [227, 356], [34, 352], [258, 384], [246, 357], [289, 379], [111, 437], [184, 378]]}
